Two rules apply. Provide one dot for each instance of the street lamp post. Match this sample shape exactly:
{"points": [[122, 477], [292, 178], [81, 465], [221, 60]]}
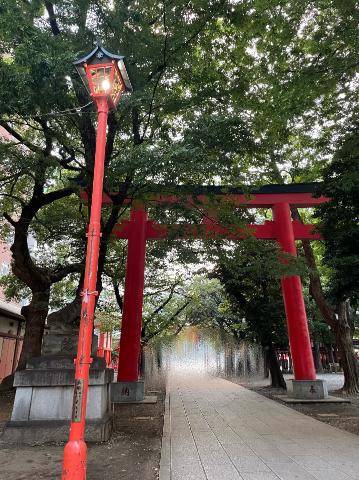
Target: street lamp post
{"points": [[105, 78]]}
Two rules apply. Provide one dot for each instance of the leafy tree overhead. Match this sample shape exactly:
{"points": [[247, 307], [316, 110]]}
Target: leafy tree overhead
{"points": [[225, 92], [210, 307], [339, 219], [52, 143], [339, 223]]}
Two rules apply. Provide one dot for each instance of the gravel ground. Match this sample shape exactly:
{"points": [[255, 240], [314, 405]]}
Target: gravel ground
{"points": [[133, 453]]}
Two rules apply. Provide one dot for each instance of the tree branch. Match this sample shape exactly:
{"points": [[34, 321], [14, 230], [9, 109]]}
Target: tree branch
{"points": [[60, 273], [9, 219], [165, 325], [34, 148], [117, 295], [52, 18], [50, 197]]}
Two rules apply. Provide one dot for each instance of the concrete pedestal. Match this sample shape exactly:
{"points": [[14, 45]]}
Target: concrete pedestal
{"points": [[64, 343], [128, 392], [308, 389], [43, 401]]}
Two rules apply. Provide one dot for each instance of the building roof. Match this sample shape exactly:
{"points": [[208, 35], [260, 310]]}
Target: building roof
{"points": [[10, 310]]}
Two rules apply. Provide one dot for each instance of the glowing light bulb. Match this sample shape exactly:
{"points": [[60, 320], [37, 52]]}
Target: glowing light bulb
{"points": [[106, 85]]}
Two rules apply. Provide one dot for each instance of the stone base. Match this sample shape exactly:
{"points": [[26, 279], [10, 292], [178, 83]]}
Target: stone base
{"points": [[127, 392], [37, 432], [44, 396], [308, 389], [329, 399], [64, 343]]}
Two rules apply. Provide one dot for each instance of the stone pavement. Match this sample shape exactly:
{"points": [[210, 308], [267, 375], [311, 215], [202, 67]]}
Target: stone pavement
{"points": [[217, 430]]}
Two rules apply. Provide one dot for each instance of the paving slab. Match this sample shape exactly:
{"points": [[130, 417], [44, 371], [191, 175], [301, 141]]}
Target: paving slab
{"points": [[215, 429]]}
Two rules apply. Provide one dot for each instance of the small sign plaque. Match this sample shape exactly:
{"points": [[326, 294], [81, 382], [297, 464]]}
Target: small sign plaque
{"points": [[125, 392], [77, 402]]}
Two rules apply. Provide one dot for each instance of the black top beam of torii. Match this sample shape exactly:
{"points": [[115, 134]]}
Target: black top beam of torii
{"points": [[302, 195], [273, 188], [296, 194]]}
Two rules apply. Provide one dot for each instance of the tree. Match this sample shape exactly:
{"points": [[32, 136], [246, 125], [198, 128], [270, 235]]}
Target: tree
{"points": [[225, 92], [250, 274], [38, 277], [211, 308], [339, 224], [44, 108]]}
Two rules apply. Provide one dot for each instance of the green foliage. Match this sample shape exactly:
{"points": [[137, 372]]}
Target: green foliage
{"points": [[339, 220], [226, 92], [63, 292], [199, 301], [250, 275], [13, 288], [210, 307], [107, 321], [319, 330]]}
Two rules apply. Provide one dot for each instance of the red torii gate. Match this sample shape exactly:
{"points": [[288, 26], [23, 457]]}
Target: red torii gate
{"points": [[280, 198]]}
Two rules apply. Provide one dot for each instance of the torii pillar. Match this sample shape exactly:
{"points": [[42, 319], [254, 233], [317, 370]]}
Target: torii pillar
{"points": [[305, 384], [128, 387]]}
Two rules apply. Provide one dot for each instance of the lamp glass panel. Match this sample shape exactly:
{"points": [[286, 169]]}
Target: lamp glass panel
{"points": [[101, 80], [117, 87]]}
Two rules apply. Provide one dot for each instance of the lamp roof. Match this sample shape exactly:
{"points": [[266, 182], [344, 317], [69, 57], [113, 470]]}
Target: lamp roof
{"points": [[100, 55]]}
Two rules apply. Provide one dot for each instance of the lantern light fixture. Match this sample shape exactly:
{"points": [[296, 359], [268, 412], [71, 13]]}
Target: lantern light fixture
{"points": [[104, 74]]}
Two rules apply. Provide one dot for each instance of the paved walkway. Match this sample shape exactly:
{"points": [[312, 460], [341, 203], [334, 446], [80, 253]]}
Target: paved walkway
{"points": [[216, 430]]}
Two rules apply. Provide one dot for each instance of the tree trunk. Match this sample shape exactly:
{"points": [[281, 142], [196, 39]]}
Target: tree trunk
{"points": [[331, 355], [277, 379], [228, 362], [35, 314], [339, 323], [265, 363], [343, 337], [317, 359]]}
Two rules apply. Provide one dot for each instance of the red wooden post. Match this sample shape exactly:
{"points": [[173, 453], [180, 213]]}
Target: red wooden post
{"points": [[101, 345], [75, 453], [107, 350], [130, 343], [297, 323]]}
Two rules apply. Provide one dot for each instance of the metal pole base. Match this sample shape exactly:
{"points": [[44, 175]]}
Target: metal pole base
{"points": [[74, 465]]}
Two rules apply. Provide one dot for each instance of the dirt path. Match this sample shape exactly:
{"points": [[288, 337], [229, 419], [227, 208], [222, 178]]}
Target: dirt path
{"points": [[133, 453]]}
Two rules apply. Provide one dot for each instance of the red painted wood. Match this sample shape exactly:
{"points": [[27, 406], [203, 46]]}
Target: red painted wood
{"points": [[130, 342], [258, 200], [101, 345], [7, 350], [108, 348], [297, 322], [75, 453], [267, 231]]}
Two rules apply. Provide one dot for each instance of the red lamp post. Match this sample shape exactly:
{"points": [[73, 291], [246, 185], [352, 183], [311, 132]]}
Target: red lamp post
{"points": [[105, 77]]}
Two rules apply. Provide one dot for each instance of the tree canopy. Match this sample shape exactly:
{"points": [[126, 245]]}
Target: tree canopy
{"points": [[225, 92]]}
